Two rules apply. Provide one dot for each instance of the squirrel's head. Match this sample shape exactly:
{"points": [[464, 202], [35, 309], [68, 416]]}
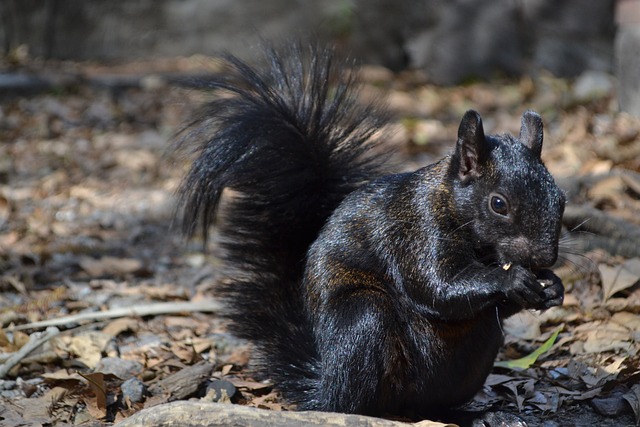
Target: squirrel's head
{"points": [[506, 192]]}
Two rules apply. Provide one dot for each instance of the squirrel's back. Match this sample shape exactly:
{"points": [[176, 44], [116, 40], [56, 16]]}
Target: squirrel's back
{"points": [[291, 140]]}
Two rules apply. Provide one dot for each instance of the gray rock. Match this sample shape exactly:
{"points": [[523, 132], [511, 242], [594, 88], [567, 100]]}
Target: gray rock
{"points": [[610, 406], [123, 369], [133, 389], [7, 384]]}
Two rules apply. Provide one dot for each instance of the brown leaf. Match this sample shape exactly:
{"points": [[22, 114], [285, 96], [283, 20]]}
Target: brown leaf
{"points": [[88, 346], [549, 401], [94, 410], [591, 376], [629, 320], [270, 401], [616, 366], [5, 342], [61, 375], [98, 387], [108, 266], [118, 326], [619, 278], [226, 369], [608, 336], [200, 345], [524, 325], [11, 413], [5, 210], [520, 390], [20, 339], [253, 386], [181, 327], [606, 188], [633, 183], [630, 303], [47, 406], [184, 352], [497, 379]]}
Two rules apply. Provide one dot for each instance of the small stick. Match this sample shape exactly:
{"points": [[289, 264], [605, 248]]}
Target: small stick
{"points": [[139, 311], [35, 340]]}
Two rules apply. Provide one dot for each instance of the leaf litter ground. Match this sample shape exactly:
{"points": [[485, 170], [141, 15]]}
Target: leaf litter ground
{"points": [[106, 310]]}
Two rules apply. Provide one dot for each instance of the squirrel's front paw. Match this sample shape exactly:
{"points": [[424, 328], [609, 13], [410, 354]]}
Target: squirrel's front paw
{"points": [[524, 289], [553, 290]]}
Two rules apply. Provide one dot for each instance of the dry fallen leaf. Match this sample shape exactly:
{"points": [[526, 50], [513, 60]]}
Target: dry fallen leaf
{"points": [[252, 386], [108, 266], [48, 406], [98, 407], [88, 346], [615, 366], [627, 319], [600, 337], [524, 325], [118, 326], [619, 278]]}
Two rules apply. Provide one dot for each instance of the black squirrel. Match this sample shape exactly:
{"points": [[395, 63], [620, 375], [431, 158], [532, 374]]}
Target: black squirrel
{"points": [[363, 292]]}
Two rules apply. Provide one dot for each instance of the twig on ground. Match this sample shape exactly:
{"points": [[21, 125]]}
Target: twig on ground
{"points": [[35, 340], [138, 311]]}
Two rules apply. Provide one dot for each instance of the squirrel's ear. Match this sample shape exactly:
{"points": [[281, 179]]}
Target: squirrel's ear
{"points": [[531, 131], [472, 146]]}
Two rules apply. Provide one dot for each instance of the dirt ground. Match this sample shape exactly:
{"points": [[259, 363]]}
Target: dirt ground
{"points": [[118, 308]]}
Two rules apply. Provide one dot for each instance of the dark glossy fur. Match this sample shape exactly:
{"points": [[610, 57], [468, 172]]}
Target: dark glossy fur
{"points": [[365, 293]]}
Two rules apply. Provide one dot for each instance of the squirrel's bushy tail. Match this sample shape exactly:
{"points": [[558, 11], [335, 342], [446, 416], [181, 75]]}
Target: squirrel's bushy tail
{"points": [[291, 141]]}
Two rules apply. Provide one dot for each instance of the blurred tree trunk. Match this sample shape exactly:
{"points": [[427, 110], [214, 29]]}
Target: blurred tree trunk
{"points": [[627, 49]]}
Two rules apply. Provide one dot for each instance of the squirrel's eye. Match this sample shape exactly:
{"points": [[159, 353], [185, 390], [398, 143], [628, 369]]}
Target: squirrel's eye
{"points": [[499, 205]]}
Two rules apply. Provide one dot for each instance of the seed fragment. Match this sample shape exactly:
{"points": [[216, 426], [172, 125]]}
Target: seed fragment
{"points": [[544, 283]]}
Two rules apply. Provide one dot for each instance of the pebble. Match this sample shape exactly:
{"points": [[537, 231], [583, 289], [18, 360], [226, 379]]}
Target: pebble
{"points": [[610, 406], [133, 389], [220, 390], [7, 384]]}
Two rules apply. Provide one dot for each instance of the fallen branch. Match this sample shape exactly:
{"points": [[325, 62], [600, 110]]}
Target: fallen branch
{"points": [[183, 383], [138, 311], [35, 340], [587, 218], [201, 414], [612, 234], [574, 185]]}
